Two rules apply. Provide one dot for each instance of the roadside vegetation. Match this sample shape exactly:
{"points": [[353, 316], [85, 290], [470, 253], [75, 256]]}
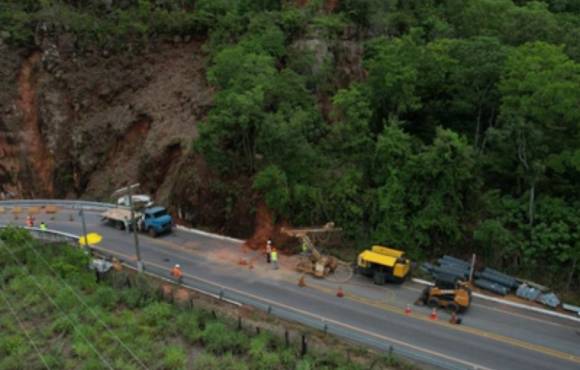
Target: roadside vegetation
{"points": [[434, 126], [54, 315]]}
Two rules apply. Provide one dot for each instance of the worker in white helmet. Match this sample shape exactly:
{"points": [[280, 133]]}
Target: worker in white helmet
{"points": [[176, 273], [268, 251]]}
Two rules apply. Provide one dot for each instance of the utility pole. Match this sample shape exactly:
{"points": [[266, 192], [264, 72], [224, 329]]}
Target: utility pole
{"points": [[82, 214], [472, 268], [133, 224]]}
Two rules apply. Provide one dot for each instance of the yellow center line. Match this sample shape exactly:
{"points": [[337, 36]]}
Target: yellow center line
{"points": [[523, 316], [466, 329]]}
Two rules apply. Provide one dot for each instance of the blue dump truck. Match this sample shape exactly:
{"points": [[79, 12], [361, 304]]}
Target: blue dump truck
{"points": [[153, 220]]}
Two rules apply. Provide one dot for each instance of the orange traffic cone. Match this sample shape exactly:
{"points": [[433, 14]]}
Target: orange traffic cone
{"points": [[340, 293], [301, 282], [408, 310], [433, 315]]}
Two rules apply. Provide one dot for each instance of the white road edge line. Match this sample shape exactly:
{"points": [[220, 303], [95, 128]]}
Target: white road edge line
{"points": [[210, 235], [512, 304]]}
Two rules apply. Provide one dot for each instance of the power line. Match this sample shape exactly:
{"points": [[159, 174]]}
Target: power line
{"points": [[13, 312], [23, 267], [104, 324]]}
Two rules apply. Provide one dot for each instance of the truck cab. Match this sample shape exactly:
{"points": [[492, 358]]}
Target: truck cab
{"points": [[155, 221]]}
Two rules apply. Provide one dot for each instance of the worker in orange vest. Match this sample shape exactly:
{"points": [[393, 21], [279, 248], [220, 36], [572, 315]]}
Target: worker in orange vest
{"points": [[177, 273], [268, 251]]}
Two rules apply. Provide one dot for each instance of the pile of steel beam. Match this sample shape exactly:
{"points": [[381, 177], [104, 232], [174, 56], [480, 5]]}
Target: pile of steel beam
{"points": [[450, 271], [495, 281]]}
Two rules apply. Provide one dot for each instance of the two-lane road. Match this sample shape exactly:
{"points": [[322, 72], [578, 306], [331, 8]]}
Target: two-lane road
{"points": [[492, 336]]}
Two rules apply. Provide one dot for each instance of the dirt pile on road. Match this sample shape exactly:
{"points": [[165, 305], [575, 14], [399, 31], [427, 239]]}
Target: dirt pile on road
{"points": [[266, 229]]}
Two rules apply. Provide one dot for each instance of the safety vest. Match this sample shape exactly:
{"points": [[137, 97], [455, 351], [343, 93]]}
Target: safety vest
{"points": [[43, 227], [274, 256], [176, 272], [304, 247]]}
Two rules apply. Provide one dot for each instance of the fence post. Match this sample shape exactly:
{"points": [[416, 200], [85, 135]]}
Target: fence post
{"points": [[239, 323], [286, 337], [304, 349], [258, 330]]}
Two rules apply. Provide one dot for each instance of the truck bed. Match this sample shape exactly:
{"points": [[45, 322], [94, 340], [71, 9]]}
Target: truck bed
{"points": [[117, 214]]}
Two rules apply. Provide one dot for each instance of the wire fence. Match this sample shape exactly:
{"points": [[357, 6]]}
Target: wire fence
{"points": [[237, 297]]}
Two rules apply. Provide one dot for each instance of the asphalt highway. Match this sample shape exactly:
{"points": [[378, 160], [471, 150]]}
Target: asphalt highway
{"points": [[492, 336]]}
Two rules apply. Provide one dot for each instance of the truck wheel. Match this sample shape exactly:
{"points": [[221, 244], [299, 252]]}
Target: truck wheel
{"points": [[433, 302], [120, 225], [152, 232], [453, 307]]}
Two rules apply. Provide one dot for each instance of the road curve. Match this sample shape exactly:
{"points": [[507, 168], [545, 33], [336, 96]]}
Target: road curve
{"points": [[492, 336]]}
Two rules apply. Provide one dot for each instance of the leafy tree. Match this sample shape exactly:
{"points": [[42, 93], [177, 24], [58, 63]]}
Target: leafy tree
{"points": [[392, 79], [540, 89]]}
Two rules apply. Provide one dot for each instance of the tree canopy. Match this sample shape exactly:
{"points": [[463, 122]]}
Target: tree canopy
{"points": [[434, 126]]}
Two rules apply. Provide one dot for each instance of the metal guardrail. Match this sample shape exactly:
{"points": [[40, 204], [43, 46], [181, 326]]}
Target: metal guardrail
{"points": [[75, 204], [229, 294]]}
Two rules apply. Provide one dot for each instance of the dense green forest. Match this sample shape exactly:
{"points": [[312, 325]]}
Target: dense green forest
{"points": [[459, 134]]}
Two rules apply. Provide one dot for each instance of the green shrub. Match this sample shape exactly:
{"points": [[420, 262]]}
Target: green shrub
{"points": [[174, 358], [133, 298], [207, 361], [187, 325], [81, 349], [54, 360], [66, 299], [62, 325], [287, 358], [268, 360], [259, 346], [9, 272], [12, 344], [157, 314], [305, 364], [218, 339], [106, 297]]}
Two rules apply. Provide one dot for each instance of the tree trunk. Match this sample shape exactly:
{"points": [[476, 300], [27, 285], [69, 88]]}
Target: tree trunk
{"points": [[477, 130], [571, 274], [531, 205]]}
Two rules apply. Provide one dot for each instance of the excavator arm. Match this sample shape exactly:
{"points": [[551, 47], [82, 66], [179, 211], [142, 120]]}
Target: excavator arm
{"points": [[306, 240]]}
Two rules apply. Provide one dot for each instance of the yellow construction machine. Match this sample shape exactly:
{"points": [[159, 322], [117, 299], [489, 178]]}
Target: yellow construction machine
{"points": [[384, 265], [311, 261], [454, 300]]}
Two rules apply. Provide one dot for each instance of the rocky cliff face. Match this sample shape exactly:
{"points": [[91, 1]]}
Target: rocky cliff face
{"points": [[82, 125]]}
